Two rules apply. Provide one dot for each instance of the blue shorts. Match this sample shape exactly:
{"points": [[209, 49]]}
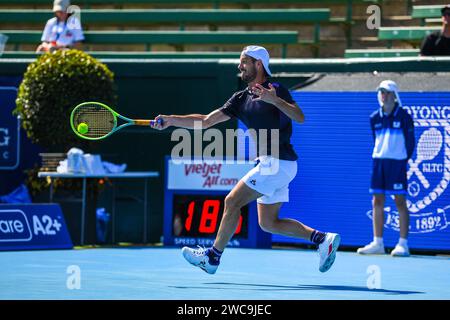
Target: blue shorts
{"points": [[388, 177]]}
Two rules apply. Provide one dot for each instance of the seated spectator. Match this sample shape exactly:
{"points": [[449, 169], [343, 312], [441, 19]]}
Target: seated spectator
{"points": [[63, 31], [438, 43]]}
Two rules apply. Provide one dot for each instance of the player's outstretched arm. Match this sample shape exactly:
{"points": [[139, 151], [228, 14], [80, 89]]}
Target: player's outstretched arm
{"points": [[188, 121]]}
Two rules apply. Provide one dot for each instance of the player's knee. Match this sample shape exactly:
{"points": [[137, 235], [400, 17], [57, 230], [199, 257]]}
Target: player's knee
{"points": [[378, 202], [231, 204], [400, 201], [268, 225]]}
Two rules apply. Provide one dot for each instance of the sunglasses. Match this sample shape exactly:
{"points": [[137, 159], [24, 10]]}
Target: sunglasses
{"points": [[383, 90]]}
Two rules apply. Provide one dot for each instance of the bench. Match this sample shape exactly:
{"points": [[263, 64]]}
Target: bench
{"points": [[176, 38], [178, 16], [135, 55], [85, 4], [347, 21], [433, 11], [181, 17], [423, 12], [380, 53], [429, 21], [413, 35], [171, 2]]}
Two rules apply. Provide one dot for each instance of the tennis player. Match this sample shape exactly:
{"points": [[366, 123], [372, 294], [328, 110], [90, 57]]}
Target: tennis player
{"points": [[262, 105]]}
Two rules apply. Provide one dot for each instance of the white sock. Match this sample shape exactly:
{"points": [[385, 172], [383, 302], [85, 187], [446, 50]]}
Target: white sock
{"points": [[403, 242], [378, 240]]}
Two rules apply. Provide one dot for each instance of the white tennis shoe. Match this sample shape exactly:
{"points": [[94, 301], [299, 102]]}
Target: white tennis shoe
{"points": [[327, 251], [372, 248], [198, 258], [400, 251]]}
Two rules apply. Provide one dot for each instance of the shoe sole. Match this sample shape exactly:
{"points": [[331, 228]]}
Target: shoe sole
{"points": [[197, 265], [400, 255], [330, 260], [376, 253]]}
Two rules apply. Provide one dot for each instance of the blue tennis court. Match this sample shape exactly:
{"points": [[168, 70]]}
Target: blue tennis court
{"points": [[272, 274]]}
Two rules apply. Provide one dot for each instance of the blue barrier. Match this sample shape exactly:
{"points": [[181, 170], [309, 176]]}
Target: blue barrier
{"points": [[33, 226], [334, 145]]}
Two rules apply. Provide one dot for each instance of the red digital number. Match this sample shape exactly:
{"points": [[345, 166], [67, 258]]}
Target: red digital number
{"points": [[239, 227], [190, 212], [209, 216], [208, 220]]}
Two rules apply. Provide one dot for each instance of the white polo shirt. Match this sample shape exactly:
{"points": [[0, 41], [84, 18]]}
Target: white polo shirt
{"points": [[64, 33]]}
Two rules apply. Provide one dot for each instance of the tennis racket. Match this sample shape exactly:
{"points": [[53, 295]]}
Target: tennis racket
{"points": [[96, 121]]}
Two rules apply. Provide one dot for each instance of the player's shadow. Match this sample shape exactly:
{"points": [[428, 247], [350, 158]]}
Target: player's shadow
{"points": [[272, 287]]}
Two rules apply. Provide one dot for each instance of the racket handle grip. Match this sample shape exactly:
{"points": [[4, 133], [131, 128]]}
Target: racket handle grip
{"points": [[147, 122], [160, 122]]}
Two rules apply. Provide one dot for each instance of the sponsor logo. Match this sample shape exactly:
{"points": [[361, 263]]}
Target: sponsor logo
{"points": [[429, 173], [15, 227], [9, 146], [206, 242], [206, 175], [398, 186]]}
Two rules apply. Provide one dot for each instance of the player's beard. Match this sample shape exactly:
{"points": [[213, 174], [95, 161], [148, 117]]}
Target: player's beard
{"points": [[249, 74]]}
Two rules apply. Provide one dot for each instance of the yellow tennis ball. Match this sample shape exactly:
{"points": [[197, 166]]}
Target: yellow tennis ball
{"points": [[83, 128]]}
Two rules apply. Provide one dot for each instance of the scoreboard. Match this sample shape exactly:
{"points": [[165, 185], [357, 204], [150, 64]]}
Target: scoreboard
{"points": [[194, 198]]}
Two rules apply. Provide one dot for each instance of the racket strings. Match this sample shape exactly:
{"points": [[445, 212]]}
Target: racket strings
{"points": [[100, 120]]}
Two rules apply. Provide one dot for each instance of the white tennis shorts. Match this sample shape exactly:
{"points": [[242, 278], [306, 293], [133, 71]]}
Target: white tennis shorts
{"points": [[271, 177]]}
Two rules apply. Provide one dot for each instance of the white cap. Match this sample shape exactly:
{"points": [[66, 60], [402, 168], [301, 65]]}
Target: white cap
{"points": [[61, 5], [390, 86], [258, 53]]}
